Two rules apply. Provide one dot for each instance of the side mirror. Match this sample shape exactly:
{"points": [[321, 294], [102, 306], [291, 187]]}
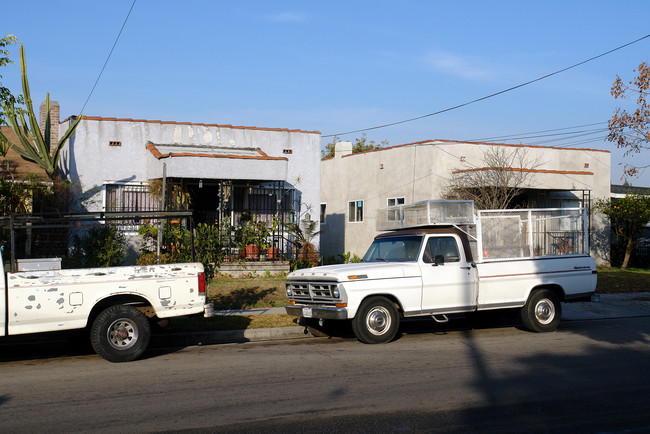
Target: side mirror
{"points": [[439, 260]]}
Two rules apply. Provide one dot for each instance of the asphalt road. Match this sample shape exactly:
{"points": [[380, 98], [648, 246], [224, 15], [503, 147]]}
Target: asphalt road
{"points": [[590, 376]]}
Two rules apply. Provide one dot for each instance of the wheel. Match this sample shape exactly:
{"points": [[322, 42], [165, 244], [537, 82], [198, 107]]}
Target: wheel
{"points": [[376, 322], [120, 333], [542, 311]]}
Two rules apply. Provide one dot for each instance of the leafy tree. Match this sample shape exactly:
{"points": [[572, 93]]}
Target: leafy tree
{"points": [[100, 246], [32, 144], [5, 94], [627, 216], [629, 129], [361, 144], [505, 175]]}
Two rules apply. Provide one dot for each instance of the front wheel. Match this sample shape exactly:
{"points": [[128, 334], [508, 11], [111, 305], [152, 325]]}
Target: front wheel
{"points": [[542, 311], [376, 321], [120, 333]]}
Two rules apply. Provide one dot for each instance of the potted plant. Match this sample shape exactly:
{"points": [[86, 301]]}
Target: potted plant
{"points": [[261, 235], [303, 233], [272, 252], [249, 239]]}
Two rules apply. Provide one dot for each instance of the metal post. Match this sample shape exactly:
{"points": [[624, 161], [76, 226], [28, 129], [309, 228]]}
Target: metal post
{"points": [[531, 248], [13, 243], [162, 208]]}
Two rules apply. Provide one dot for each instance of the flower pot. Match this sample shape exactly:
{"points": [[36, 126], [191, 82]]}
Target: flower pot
{"points": [[252, 251], [272, 252]]}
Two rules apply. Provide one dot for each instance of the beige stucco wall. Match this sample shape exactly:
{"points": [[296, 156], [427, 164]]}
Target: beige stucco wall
{"points": [[421, 171]]}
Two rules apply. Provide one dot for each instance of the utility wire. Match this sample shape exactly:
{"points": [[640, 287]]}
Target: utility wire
{"points": [[491, 95], [568, 133], [523, 135], [108, 58]]}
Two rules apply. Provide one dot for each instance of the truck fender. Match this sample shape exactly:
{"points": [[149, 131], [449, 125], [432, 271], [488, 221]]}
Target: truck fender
{"points": [[137, 300]]}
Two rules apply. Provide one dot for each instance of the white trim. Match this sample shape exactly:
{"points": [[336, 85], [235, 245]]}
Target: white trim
{"points": [[355, 207]]}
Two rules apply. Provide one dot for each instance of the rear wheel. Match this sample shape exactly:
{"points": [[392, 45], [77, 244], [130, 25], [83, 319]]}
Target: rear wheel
{"points": [[376, 321], [542, 312], [120, 333]]}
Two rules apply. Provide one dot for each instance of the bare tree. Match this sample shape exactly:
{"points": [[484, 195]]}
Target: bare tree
{"points": [[629, 129], [505, 174]]}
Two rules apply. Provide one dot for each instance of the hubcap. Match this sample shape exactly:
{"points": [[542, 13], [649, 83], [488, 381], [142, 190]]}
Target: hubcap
{"points": [[544, 311], [378, 320], [122, 334]]}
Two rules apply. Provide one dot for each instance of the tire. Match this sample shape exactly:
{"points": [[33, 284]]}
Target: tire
{"points": [[542, 312], [120, 333], [376, 321]]}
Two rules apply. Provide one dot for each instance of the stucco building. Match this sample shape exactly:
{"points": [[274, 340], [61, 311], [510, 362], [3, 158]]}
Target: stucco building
{"points": [[355, 186], [221, 172]]}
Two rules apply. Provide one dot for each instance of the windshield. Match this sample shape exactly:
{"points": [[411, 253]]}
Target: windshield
{"points": [[394, 249]]}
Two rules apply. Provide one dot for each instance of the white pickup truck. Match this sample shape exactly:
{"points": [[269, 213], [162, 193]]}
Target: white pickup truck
{"points": [[115, 304], [442, 258]]}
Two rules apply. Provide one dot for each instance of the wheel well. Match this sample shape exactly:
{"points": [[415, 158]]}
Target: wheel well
{"points": [[133, 300], [390, 297], [555, 288]]}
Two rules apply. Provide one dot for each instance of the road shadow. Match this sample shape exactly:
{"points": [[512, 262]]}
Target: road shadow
{"points": [[612, 330]]}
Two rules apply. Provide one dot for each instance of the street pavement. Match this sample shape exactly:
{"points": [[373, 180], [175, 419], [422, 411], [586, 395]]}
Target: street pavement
{"points": [[602, 306]]}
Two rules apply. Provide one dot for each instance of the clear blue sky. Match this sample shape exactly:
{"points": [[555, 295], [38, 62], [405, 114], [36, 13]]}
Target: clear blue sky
{"points": [[337, 66]]}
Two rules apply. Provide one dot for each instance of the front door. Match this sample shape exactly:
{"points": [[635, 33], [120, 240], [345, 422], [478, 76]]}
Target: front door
{"points": [[451, 284]]}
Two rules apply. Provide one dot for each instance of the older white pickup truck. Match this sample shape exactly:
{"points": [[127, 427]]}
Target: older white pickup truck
{"points": [[116, 304], [442, 258]]}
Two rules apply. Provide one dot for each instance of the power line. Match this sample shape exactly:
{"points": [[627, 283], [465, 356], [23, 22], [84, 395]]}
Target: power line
{"points": [[523, 135], [108, 58], [491, 95]]}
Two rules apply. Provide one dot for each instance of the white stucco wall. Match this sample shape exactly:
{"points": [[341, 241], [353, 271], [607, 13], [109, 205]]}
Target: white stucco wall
{"points": [[89, 160], [421, 171]]}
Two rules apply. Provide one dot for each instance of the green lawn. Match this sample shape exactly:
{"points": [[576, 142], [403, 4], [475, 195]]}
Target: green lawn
{"points": [[247, 293], [616, 280]]}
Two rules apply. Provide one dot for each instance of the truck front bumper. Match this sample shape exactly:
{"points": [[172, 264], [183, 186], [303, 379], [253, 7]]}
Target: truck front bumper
{"points": [[323, 312]]}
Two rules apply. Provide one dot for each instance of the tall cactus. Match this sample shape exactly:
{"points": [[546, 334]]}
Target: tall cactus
{"points": [[32, 144]]}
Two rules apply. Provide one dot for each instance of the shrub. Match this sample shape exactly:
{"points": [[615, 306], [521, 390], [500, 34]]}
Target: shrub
{"points": [[99, 246]]}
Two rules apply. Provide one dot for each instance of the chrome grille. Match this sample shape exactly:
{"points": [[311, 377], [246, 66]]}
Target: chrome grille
{"points": [[312, 292]]}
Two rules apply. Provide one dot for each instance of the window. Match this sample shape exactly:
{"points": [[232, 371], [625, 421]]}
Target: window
{"points": [[129, 198], [323, 213], [394, 214], [355, 211], [441, 246], [394, 249]]}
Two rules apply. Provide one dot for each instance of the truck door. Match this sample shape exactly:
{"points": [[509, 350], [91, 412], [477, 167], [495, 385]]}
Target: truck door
{"points": [[449, 283]]}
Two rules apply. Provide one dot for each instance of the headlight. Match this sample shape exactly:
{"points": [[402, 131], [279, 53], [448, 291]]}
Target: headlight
{"points": [[336, 293], [289, 292]]}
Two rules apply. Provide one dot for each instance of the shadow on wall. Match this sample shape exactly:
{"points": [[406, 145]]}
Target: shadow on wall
{"points": [[332, 237], [600, 246]]}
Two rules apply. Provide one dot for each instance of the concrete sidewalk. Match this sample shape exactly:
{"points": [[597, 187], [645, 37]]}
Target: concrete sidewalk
{"points": [[606, 306], [609, 306]]}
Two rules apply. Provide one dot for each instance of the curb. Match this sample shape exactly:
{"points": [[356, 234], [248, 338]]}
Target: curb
{"points": [[227, 337]]}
